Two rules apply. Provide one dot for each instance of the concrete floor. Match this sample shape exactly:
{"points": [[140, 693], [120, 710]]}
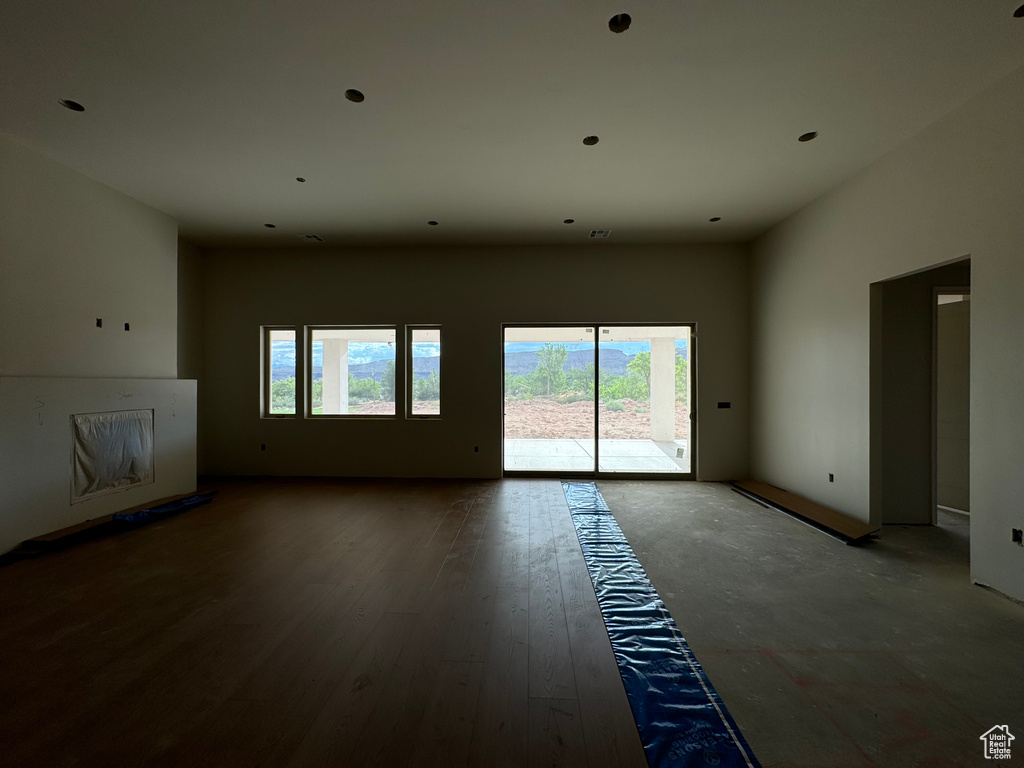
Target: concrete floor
{"points": [[830, 655], [578, 455]]}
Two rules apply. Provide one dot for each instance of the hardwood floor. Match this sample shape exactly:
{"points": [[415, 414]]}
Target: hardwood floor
{"points": [[315, 623]]}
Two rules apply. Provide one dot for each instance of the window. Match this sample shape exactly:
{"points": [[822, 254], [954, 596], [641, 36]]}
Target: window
{"points": [[423, 392], [352, 371], [278, 371]]}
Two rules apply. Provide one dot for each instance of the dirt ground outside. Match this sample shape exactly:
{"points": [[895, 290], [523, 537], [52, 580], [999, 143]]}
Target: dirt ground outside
{"points": [[374, 408], [544, 418], [387, 408]]}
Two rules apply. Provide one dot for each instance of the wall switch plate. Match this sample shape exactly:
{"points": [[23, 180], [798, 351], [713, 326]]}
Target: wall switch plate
{"points": [[831, 477], [1018, 537]]}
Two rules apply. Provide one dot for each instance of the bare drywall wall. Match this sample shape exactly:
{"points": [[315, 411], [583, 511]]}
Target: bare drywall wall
{"points": [[190, 322], [190, 312], [952, 191], [470, 292], [953, 400], [73, 250], [35, 452]]}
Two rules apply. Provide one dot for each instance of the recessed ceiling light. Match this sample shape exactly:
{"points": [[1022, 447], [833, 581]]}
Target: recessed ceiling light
{"points": [[619, 22], [715, 218], [591, 140], [300, 180], [1019, 13], [74, 106], [809, 136], [432, 223], [353, 95], [270, 226], [569, 221]]}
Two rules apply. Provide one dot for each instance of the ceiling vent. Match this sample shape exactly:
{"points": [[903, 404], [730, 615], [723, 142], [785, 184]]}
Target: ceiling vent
{"points": [[311, 238], [602, 233]]}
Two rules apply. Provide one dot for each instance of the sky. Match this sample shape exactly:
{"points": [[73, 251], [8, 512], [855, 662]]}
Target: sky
{"points": [[626, 347]]}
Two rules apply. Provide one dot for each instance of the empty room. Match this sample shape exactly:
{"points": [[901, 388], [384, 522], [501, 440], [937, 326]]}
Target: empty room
{"points": [[523, 384]]}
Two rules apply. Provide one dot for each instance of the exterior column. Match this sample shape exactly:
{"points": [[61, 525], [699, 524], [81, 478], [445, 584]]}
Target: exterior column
{"points": [[335, 376], [663, 390]]}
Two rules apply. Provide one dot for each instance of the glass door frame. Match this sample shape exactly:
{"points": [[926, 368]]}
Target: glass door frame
{"points": [[596, 473]]}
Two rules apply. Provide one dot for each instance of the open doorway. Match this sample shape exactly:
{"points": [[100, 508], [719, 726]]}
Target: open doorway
{"points": [[904, 392], [605, 400]]}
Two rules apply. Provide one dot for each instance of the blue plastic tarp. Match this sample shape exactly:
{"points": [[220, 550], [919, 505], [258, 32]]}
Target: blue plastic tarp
{"points": [[681, 719], [150, 514]]}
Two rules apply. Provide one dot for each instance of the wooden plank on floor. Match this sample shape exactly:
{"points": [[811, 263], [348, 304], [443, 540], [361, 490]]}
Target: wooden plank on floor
{"points": [[606, 718], [500, 737], [426, 559], [551, 673], [446, 730], [515, 558], [834, 520], [471, 574], [556, 737], [343, 717]]}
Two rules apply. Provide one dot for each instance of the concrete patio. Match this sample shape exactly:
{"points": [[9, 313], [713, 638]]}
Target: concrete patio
{"points": [[577, 455]]}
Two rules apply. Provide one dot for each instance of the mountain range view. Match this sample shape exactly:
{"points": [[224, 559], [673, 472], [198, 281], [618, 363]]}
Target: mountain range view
{"points": [[612, 361]]}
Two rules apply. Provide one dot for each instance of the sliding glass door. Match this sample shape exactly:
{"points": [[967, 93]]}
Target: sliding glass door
{"points": [[644, 394], [549, 399], [599, 400]]}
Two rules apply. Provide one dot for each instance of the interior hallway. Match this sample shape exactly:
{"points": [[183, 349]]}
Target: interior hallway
{"points": [[360, 622]]}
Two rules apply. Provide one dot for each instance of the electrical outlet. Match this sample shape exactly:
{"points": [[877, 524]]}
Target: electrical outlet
{"points": [[1018, 537]]}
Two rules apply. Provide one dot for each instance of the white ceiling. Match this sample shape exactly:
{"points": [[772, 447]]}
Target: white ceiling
{"points": [[475, 111]]}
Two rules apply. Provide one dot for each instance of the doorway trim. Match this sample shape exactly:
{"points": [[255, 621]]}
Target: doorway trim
{"points": [[956, 290]]}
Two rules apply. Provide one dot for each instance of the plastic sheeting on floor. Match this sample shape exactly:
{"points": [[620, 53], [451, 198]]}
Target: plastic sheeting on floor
{"points": [[151, 514], [680, 717]]}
